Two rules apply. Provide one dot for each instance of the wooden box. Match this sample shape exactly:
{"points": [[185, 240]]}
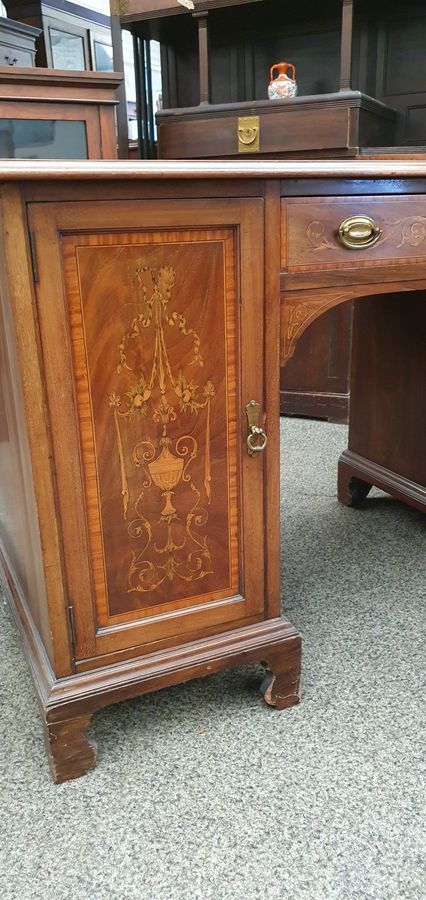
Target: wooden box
{"points": [[334, 123]]}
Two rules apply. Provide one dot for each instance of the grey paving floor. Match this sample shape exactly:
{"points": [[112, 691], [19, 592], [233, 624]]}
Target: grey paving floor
{"points": [[203, 792]]}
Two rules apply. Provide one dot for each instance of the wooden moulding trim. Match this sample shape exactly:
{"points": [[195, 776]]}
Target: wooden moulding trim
{"points": [[29, 170], [41, 671], [91, 690], [237, 600], [406, 270], [137, 10], [383, 478], [53, 77], [116, 656], [351, 99], [53, 99], [81, 99], [14, 27]]}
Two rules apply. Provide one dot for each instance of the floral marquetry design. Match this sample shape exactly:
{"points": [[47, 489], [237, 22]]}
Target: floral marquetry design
{"points": [[413, 231], [315, 232], [174, 544], [153, 327]]}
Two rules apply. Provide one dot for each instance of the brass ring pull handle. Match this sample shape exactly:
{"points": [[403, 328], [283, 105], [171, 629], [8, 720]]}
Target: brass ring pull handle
{"points": [[248, 135], [256, 438], [358, 232], [256, 435]]}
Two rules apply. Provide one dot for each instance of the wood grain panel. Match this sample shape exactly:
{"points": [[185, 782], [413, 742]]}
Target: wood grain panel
{"points": [[387, 329], [31, 544], [18, 535], [315, 382], [396, 168]]}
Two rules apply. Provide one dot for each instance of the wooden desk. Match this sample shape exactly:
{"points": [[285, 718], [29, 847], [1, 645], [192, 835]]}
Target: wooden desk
{"points": [[146, 311]]}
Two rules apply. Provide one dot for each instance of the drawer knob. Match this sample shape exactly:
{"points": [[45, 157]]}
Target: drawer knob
{"points": [[358, 232]]}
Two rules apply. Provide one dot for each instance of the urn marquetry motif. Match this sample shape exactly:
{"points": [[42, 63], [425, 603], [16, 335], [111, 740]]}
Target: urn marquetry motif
{"points": [[173, 545]]}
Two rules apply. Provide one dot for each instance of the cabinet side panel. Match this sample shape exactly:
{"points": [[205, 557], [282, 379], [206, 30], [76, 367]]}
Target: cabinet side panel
{"points": [[34, 494], [388, 384], [18, 517]]}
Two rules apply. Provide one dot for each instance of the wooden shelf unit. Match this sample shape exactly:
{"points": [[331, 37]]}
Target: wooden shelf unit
{"points": [[222, 56]]}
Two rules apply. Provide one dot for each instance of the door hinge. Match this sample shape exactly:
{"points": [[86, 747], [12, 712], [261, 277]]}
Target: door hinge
{"points": [[71, 623], [33, 256]]}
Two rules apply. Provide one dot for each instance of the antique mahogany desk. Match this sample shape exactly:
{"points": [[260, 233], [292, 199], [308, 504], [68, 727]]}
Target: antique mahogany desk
{"points": [[146, 308]]}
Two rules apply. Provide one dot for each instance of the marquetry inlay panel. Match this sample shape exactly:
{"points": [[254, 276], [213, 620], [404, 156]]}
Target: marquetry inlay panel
{"points": [[153, 333]]}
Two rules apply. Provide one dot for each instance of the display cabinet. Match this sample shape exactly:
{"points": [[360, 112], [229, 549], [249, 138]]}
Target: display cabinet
{"points": [[77, 38], [360, 70], [17, 43], [46, 114], [70, 36]]}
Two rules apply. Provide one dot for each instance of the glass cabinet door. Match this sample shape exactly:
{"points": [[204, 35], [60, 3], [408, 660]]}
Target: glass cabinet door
{"points": [[43, 139], [67, 50]]}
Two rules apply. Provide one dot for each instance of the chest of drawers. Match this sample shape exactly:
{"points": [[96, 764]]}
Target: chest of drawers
{"points": [[17, 43]]}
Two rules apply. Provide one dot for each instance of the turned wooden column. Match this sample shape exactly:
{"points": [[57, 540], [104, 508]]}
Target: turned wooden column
{"points": [[346, 45], [118, 63], [203, 51]]}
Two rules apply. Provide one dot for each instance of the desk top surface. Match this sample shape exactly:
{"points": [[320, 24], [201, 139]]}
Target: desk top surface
{"points": [[24, 170]]}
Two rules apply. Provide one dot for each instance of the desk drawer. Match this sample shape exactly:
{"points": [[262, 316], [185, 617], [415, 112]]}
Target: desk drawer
{"points": [[310, 232]]}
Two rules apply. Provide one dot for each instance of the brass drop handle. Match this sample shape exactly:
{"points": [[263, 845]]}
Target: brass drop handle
{"points": [[358, 232], [256, 438]]}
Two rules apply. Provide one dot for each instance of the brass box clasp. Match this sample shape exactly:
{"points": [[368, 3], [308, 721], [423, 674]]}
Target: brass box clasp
{"points": [[248, 134]]}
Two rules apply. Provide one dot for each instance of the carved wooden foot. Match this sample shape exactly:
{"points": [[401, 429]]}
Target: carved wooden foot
{"points": [[71, 754], [351, 490], [281, 686], [355, 492]]}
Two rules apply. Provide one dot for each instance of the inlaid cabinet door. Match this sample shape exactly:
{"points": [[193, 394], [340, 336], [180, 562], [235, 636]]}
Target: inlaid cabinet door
{"points": [[151, 321]]}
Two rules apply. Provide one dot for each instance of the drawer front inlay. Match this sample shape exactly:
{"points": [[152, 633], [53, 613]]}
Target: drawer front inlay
{"points": [[310, 231]]}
